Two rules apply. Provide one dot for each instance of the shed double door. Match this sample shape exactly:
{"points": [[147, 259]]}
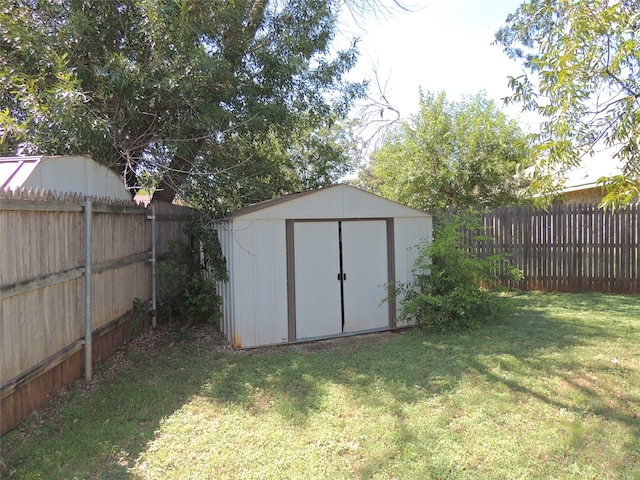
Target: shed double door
{"points": [[341, 272]]}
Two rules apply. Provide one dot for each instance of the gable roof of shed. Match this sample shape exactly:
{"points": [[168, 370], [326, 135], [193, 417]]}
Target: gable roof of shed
{"points": [[334, 189], [15, 170], [64, 173]]}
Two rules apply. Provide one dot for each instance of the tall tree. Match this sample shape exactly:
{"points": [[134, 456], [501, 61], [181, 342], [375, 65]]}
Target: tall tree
{"points": [[451, 154], [167, 86], [581, 64], [271, 166]]}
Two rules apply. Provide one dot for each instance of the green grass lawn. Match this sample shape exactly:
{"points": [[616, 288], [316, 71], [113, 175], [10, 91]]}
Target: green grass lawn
{"points": [[551, 390]]}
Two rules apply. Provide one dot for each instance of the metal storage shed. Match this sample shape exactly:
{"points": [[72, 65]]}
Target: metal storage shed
{"points": [[77, 174], [315, 265]]}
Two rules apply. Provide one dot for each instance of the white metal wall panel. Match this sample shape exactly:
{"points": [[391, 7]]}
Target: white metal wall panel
{"points": [[317, 288], [270, 282], [225, 289], [263, 285], [360, 204], [232, 266], [245, 269], [238, 238], [364, 254], [307, 207], [409, 237], [257, 295]]}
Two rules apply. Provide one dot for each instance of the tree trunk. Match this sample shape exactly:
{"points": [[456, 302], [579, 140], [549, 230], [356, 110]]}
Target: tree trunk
{"points": [[178, 170], [237, 38]]}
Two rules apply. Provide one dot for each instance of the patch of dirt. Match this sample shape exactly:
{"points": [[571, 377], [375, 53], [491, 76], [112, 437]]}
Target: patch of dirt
{"points": [[354, 341]]}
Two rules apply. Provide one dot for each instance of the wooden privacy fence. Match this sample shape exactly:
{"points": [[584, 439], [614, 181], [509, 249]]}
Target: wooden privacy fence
{"points": [[567, 248], [48, 309]]}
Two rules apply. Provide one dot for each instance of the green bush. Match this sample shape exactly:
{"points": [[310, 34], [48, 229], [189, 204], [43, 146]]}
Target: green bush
{"points": [[187, 293], [451, 287], [200, 301]]}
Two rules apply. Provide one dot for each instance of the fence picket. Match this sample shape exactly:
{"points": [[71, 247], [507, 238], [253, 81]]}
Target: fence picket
{"points": [[572, 248], [42, 303]]}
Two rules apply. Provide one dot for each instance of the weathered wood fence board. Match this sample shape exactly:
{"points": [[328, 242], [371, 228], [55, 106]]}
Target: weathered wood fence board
{"points": [[567, 248], [42, 287]]}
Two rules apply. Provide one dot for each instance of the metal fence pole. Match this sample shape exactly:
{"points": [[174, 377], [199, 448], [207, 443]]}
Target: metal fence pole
{"points": [[154, 241], [88, 287]]}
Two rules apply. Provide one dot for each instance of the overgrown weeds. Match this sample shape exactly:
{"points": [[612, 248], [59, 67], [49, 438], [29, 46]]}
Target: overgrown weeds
{"points": [[451, 287], [189, 275]]}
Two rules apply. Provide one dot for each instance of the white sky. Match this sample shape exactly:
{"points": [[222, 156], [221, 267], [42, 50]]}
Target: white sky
{"points": [[444, 45]]}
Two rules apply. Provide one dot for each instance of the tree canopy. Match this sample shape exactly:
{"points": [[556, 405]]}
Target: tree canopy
{"points": [[451, 154], [271, 165], [185, 92], [581, 63]]}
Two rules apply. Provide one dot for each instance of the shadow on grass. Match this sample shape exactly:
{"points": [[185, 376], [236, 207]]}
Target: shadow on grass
{"points": [[434, 362], [512, 353], [537, 340], [99, 430], [101, 433]]}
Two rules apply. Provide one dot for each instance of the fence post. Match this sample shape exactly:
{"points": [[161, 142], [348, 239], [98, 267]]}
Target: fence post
{"points": [[88, 287], [154, 241]]}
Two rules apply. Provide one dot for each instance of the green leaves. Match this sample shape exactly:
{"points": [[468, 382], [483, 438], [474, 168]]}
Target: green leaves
{"points": [[582, 75], [167, 87], [447, 290], [452, 154]]}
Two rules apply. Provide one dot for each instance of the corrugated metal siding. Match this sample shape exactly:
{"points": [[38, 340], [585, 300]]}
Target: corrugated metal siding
{"points": [[255, 299], [225, 289]]}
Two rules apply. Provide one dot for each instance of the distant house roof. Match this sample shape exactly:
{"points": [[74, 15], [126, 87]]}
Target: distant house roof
{"points": [[586, 175], [15, 170], [77, 174]]}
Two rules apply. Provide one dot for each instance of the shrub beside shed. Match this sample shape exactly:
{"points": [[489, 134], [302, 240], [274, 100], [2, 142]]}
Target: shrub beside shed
{"points": [[315, 265]]}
